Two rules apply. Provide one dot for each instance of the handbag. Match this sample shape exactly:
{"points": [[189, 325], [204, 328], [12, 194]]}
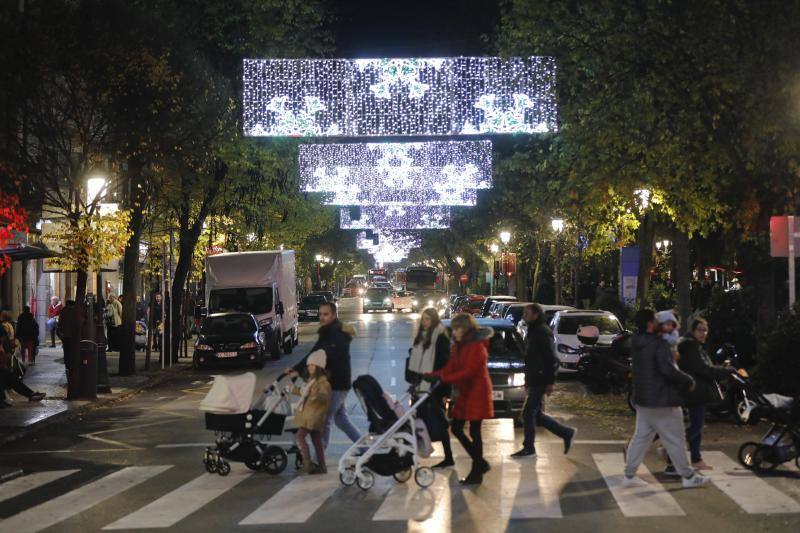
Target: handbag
{"points": [[18, 367]]}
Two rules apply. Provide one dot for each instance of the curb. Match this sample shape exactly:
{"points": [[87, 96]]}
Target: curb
{"points": [[157, 379], [9, 475]]}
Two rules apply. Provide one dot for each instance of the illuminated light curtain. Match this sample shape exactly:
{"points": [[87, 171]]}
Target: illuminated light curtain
{"points": [[441, 195], [392, 246], [400, 96], [396, 217]]}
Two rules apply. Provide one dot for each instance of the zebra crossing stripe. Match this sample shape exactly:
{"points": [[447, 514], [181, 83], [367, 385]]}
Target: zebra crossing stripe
{"points": [[20, 485], [751, 493], [295, 502], [76, 501], [181, 502], [406, 501], [532, 493], [652, 500]]}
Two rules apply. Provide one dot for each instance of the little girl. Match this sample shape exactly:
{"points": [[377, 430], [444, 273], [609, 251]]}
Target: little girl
{"points": [[315, 397]]}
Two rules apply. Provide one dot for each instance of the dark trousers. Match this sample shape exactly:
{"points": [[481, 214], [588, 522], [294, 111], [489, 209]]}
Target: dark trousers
{"points": [[533, 414], [694, 433], [9, 380], [472, 444]]}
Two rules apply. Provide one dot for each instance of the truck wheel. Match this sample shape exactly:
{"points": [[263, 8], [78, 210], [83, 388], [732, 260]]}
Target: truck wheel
{"points": [[275, 346], [288, 344], [296, 337]]}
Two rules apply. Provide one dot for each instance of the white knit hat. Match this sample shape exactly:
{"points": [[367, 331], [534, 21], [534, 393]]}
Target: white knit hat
{"points": [[666, 316], [317, 358]]}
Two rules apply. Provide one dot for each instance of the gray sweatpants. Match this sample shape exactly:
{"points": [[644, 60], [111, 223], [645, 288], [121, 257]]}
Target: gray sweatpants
{"points": [[667, 423]]}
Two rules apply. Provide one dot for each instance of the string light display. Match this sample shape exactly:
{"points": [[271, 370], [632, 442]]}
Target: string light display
{"points": [[361, 167], [392, 246], [409, 217], [397, 97], [439, 195]]}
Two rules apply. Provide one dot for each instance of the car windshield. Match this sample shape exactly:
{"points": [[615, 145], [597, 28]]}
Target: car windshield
{"points": [[516, 313], [475, 304], [313, 300], [228, 324], [257, 300], [569, 325], [376, 294], [506, 342]]}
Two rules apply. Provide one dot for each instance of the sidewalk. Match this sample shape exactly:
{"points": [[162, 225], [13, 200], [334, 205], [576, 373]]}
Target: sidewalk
{"points": [[48, 376]]}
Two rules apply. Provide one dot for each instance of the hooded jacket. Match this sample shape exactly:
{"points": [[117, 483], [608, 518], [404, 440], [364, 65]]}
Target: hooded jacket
{"points": [[695, 362], [657, 381], [335, 339], [27, 328], [468, 371], [540, 356]]}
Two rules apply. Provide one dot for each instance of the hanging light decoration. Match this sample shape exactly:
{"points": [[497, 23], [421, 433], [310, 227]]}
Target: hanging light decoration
{"points": [[391, 246], [401, 96], [408, 217]]}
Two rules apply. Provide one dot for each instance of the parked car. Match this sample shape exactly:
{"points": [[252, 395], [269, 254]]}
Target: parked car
{"points": [[513, 311], [327, 294], [506, 367], [403, 300], [549, 312], [487, 304], [472, 305], [376, 299], [229, 338], [308, 308], [565, 327]]}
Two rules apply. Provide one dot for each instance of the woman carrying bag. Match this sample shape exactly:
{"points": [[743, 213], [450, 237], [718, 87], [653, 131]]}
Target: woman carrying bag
{"points": [[430, 351]]}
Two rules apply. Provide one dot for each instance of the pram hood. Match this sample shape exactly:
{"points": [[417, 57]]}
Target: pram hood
{"points": [[230, 394], [379, 413], [779, 402]]}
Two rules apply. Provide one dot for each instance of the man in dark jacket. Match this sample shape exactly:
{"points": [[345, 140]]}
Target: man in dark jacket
{"points": [[658, 387], [334, 338], [540, 375], [27, 335]]}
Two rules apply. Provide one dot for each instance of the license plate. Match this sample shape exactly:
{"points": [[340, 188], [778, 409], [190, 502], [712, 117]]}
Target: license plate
{"points": [[315, 313], [227, 354], [497, 395]]}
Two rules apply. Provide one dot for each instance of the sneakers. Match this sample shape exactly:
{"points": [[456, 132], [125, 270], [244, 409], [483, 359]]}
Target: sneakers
{"points": [[524, 452], [318, 469], [568, 440], [670, 471], [696, 480], [631, 482], [444, 463], [37, 397]]}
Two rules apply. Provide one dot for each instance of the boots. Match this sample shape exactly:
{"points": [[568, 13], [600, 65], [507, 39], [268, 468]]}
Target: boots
{"points": [[475, 476]]}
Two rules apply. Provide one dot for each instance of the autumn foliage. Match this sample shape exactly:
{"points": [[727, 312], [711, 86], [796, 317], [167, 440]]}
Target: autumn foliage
{"points": [[12, 217]]}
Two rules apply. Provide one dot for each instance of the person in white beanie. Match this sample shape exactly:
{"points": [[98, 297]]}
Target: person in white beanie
{"points": [[315, 398]]}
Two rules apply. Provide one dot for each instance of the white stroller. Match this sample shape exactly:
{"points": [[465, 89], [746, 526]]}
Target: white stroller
{"points": [[244, 429], [392, 447]]}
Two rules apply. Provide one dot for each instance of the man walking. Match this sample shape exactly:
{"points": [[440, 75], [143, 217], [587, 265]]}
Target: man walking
{"points": [[658, 385], [70, 324], [334, 338], [540, 375]]}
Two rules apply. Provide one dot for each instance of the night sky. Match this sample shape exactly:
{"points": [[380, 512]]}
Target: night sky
{"points": [[413, 28]]}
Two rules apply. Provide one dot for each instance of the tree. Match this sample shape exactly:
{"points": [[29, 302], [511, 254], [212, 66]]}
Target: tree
{"points": [[13, 216]]}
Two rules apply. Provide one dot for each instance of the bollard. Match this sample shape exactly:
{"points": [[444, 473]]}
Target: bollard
{"points": [[88, 354]]}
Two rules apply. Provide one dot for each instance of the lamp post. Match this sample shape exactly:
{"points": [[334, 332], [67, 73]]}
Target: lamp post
{"points": [[505, 237], [318, 258], [642, 198], [494, 249], [557, 224]]}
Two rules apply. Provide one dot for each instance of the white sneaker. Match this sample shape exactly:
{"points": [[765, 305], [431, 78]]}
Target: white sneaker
{"points": [[697, 480], [635, 481]]}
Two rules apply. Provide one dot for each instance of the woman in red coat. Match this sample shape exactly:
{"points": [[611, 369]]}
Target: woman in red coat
{"points": [[468, 372]]}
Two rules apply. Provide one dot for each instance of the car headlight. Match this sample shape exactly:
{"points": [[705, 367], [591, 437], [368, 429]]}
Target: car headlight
{"points": [[443, 301], [360, 292], [366, 301], [248, 345], [563, 348], [518, 379], [203, 347], [430, 302], [387, 300], [414, 302]]}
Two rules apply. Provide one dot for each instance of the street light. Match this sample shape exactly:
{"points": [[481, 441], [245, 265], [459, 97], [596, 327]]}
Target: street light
{"points": [[494, 248], [643, 196], [505, 237], [557, 224], [318, 258], [95, 189]]}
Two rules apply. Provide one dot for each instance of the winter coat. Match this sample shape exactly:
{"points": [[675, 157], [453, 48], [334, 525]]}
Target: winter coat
{"points": [[313, 407], [695, 362], [540, 355], [335, 339], [27, 328], [423, 361], [114, 313], [467, 370], [70, 322], [657, 381]]}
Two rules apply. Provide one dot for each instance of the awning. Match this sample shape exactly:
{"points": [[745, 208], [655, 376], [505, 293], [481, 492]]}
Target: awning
{"points": [[24, 252]]}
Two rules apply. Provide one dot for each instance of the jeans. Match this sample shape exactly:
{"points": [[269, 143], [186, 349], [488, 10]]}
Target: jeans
{"points": [[533, 414], [337, 413], [9, 380], [667, 422], [28, 351], [472, 444], [694, 433], [52, 325]]}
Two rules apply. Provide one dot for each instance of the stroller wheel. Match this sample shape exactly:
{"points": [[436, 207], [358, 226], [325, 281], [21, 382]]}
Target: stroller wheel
{"points": [[347, 477], [424, 476], [275, 460], [223, 468], [403, 475], [366, 480], [748, 455]]}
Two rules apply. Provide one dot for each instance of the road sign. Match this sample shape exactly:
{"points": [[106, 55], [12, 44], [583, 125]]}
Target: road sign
{"points": [[464, 279], [785, 242]]}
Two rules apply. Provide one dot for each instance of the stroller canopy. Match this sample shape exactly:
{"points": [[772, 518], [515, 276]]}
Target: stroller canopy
{"points": [[379, 412], [230, 394]]}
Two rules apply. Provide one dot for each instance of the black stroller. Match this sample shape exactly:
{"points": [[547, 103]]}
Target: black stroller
{"points": [[243, 431], [781, 443]]}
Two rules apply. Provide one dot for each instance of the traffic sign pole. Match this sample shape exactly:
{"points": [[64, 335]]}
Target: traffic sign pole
{"points": [[792, 237]]}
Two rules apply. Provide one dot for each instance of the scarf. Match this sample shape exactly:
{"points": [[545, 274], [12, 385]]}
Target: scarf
{"points": [[305, 390], [422, 359]]}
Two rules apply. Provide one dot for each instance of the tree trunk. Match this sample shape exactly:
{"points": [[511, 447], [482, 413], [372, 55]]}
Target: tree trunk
{"points": [[188, 241], [646, 236], [682, 276], [80, 286]]}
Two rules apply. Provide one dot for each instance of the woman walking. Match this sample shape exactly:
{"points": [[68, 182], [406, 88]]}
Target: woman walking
{"points": [[695, 361], [430, 351], [467, 371]]}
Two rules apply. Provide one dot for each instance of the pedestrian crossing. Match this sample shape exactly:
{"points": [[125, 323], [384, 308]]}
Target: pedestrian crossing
{"points": [[516, 489]]}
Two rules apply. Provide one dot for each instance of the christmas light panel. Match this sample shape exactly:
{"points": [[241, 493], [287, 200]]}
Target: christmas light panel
{"points": [[438, 195], [392, 247], [396, 217], [371, 166], [398, 97]]}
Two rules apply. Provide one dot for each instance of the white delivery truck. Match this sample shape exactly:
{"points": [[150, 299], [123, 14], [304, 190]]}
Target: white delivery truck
{"points": [[262, 283]]}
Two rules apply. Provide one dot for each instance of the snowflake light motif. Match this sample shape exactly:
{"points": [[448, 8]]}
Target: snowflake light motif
{"points": [[402, 72], [291, 124], [502, 120]]}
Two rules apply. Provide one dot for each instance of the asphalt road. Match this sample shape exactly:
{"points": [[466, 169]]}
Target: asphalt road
{"points": [[137, 466]]}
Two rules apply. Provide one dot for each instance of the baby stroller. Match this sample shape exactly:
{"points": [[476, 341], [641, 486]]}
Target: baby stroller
{"points": [[781, 443], [390, 447], [140, 340], [243, 430]]}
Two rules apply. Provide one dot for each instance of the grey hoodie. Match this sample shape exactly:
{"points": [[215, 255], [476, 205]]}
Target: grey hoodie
{"points": [[657, 381]]}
